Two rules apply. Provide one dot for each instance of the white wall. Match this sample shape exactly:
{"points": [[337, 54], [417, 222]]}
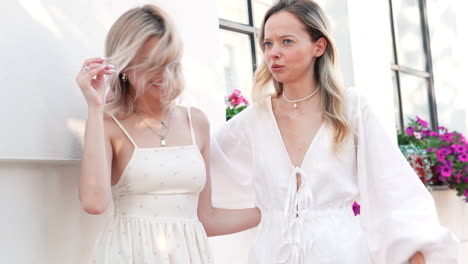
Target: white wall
{"points": [[364, 42], [42, 220]]}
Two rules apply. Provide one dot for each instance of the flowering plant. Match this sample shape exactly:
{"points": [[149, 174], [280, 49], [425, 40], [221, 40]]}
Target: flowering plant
{"points": [[237, 103], [442, 153]]}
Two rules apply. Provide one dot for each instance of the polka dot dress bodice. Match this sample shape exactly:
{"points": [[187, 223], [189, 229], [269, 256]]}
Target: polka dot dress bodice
{"points": [[161, 183], [155, 203]]}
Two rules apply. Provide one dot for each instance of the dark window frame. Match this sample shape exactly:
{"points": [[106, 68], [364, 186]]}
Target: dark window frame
{"points": [[428, 74], [247, 29]]}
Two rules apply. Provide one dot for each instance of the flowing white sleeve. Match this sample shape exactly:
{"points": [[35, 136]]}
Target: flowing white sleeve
{"points": [[397, 211], [232, 164]]}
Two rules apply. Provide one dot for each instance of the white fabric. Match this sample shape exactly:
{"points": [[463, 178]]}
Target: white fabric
{"points": [[251, 167], [155, 203]]}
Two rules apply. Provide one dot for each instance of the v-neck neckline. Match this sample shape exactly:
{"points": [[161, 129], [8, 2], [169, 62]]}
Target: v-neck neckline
{"points": [[280, 136]]}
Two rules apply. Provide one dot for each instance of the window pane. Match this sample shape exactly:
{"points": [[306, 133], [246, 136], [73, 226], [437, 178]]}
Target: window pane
{"points": [[237, 61], [234, 10], [415, 97], [409, 33], [260, 7], [396, 101]]}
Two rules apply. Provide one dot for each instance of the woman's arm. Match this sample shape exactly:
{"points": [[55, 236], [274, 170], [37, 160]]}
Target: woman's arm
{"points": [[218, 221], [95, 174], [400, 216]]}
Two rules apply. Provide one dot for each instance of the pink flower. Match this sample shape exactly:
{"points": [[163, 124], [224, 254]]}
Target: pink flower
{"points": [[463, 157], [422, 122], [446, 171], [447, 137], [459, 148], [446, 151], [356, 208], [440, 155], [410, 131], [234, 94], [235, 99], [434, 134], [417, 135], [466, 193]]}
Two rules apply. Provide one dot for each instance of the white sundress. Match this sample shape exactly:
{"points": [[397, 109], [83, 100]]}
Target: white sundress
{"points": [[155, 203]]}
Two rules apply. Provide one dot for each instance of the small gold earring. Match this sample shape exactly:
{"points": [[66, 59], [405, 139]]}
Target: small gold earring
{"points": [[124, 77]]}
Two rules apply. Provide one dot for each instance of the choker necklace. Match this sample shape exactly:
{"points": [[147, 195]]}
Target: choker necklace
{"points": [[165, 124], [294, 102]]}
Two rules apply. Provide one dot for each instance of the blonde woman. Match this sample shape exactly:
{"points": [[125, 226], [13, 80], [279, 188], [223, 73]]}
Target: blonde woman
{"points": [[304, 153], [146, 155]]}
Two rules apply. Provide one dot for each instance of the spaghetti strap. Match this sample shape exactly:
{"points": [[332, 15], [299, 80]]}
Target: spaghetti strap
{"points": [[194, 141], [123, 129]]}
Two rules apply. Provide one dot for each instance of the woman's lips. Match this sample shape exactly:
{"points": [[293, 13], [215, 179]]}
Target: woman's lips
{"points": [[277, 68]]}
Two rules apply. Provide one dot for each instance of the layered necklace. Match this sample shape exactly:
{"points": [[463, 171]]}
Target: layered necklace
{"points": [[294, 102], [166, 124]]}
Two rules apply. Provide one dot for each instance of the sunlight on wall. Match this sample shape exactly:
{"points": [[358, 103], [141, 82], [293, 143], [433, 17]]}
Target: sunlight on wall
{"points": [[39, 13]]}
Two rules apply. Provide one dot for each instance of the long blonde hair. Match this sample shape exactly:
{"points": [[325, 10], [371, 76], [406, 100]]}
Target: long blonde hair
{"points": [[327, 74], [125, 38]]}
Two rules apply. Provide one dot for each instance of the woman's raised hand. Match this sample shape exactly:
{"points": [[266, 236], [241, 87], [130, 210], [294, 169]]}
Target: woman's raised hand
{"points": [[91, 80]]}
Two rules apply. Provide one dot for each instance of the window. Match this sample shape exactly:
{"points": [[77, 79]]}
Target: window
{"points": [[411, 63], [238, 26]]}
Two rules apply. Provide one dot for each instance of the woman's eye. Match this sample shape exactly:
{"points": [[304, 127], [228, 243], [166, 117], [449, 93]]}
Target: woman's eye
{"points": [[287, 41], [266, 43]]}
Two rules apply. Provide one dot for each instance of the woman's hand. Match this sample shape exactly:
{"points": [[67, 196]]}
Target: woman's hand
{"points": [[92, 82], [417, 258]]}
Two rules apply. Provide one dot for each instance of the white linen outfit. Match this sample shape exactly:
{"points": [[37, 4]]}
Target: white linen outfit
{"points": [[315, 224]]}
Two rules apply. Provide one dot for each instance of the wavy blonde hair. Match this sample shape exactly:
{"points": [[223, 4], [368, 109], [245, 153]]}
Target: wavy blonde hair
{"points": [[326, 71], [125, 38]]}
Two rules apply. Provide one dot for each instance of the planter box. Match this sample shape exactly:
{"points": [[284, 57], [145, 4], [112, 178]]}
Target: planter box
{"points": [[452, 211]]}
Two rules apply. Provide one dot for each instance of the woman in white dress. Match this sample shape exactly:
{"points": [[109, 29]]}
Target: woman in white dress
{"points": [[307, 150], [146, 155]]}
